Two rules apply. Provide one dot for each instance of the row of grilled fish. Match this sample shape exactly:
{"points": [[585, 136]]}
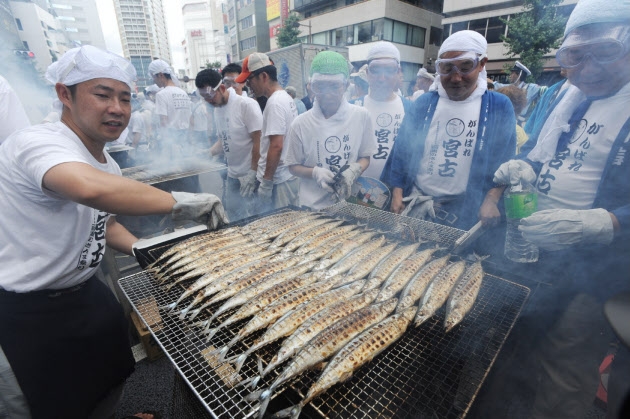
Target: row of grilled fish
{"points": [[308, 280]]}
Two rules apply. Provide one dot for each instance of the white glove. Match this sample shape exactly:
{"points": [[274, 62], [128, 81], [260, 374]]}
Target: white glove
{"points": [[558, 229], [248, 184], [344, 184], [324, 178], [511, 173], [419, 206], [265, 191], [203, 208]]}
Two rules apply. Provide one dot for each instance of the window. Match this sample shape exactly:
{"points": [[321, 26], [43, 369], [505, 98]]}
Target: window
{"points": [[320, 38], [479, 25], [18, 22], [248, 43], [496, 28], [362, 32], [25, 45], [415, 36], [388, 29], [400, 32], [435, 36], [247, 22], [459, 26], [49, 44]]}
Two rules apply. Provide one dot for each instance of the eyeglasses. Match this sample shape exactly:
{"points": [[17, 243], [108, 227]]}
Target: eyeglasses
{"points": [[230, 81], [463, 66], [209, 92], [382, 70], [320, 88], [602, 52], [251, 77]]}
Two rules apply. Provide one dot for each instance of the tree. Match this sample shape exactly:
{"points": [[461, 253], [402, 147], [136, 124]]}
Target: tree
{"points": [[216, 65], [289, 32], [534, 33]]}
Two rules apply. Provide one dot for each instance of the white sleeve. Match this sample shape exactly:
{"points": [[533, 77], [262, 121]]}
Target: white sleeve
{"points": [[13, 117], [161, 105], [295, 149], [276, 116], [252, 116]]}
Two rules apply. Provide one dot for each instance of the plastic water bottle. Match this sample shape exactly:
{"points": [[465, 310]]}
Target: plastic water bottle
{"points": [[520, 201]]}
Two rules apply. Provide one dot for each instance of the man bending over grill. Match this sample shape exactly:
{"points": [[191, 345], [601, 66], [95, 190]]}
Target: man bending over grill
{"points": [[64, 349], [452, 140], [332, 135], [238, 122]]}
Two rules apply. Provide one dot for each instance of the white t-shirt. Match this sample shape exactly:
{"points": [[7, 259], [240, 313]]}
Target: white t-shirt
{"points": [[200, 116], [136, 124], [279, 113], [314, 140], [175, 104], [386, 119], [235, 122], [12, 114], [48, 242], [580, 166], [449, 147]]}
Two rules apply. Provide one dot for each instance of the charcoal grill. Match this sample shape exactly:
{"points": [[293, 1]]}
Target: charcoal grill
{"points": [[428, 373], [154, 173]]}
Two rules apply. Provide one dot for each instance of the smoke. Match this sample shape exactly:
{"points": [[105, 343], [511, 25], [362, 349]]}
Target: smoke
{"points": [[34, 92]]}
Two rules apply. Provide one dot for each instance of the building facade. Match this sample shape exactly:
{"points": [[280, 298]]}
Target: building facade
{"points": [[485, 17], [80, 21], [205, 32], [248, 28], [143, 35], [414, 27]]}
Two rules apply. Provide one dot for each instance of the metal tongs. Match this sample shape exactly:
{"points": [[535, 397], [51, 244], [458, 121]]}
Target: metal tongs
{"points": [[468, 237]]}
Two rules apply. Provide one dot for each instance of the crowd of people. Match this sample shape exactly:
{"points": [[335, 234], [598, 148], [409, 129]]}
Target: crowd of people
{"points": [[446, 151]]}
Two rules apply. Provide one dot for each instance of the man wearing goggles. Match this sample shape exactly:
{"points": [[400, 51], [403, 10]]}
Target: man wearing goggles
{"points": [[238, 124], [229, 73], [278, 187], [61, 192], [451, 141], [579, 163], [330, 145], [387, 109]]}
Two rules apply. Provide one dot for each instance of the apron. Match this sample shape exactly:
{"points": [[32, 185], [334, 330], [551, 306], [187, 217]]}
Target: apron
{"points": [[68, 348]]}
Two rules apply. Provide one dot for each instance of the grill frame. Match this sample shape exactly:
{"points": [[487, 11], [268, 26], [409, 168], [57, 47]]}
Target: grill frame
{"points": [[497, 297], [192, 167]]}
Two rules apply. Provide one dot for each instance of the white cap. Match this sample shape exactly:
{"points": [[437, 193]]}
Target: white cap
{"points": [[383, 49], [424, 73], [87, 63], [160, 67], [469, 41], [587, 12], [154, 88]]}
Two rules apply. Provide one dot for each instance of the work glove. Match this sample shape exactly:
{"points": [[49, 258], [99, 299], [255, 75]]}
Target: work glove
{"points": [[343, 187], [248, 184], [512, 172], [203, 208], [419, 206], [324, 178], [265, 192], [558, 229]]}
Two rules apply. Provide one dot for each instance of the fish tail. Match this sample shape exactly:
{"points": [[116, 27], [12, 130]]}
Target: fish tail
{"points": [[254, 395], [222, 353], [261, 370], [255, 381], [292, 412], [201, 324], [265, 397], [240, 360], [168, 307], [211, 333], [195, 313]]}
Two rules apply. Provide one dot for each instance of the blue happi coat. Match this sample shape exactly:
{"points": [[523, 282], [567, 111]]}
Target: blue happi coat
{"points": [[496, 142]]}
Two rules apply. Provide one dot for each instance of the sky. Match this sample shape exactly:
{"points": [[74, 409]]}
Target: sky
{"points": [[175, 27]]}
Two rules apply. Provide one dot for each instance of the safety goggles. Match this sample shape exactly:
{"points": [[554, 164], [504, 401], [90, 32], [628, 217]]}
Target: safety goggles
{"points": [[382, 70], [603, 52], [327, 87], [230, 81], [461, 65], [209, 92]]}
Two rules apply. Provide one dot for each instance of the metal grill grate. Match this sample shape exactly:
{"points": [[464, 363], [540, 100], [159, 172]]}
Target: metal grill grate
{"points": [[426, 374]]}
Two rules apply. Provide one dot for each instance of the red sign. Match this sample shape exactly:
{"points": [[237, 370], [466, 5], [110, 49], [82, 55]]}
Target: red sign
{"points": [[196, 33], [284, 9], [273, 30]]}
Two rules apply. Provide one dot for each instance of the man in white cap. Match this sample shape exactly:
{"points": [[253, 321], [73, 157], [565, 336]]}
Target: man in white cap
{"points": [[278, 187], [333, 134], [424, 80], [238, 122], [12, 114], [452, 140], [518, 75], [386, 107], [173, 106], [63, 334], [579, 162]]}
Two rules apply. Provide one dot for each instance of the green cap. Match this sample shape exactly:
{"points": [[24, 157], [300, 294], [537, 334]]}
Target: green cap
{"points": [[329, 62]]}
